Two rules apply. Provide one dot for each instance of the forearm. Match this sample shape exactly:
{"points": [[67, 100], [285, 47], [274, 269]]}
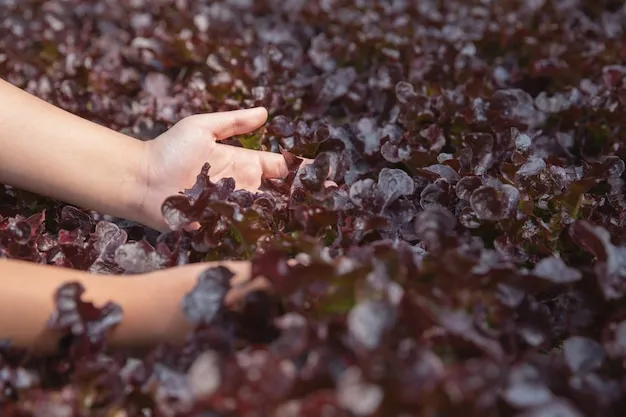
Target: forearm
{"points": [[151, 303], [46, 150], [27, 292]]}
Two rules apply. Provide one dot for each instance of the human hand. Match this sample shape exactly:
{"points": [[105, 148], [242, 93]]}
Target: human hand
{"points": [[174, 159], [241, 283], [158, 316]]}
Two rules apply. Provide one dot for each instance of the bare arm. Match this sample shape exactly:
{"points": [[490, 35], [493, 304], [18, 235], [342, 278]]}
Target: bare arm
{"points": [[49, 151], [151, 302]]}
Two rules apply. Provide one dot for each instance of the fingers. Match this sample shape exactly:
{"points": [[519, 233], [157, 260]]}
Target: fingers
{"points": [[241, 284], [241, 269], [306, 161], [193, 226], [223, 125], [237, 294], [273, 165]]}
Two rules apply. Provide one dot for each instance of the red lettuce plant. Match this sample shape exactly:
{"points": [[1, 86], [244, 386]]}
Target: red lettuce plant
{"points": [[470, 260]]}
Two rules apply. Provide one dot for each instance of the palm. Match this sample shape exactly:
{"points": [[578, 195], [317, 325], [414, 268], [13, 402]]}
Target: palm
{"points": [[176, 157]]}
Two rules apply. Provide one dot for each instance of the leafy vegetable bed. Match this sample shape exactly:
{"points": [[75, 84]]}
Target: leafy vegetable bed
{"points": [[471, 260]]}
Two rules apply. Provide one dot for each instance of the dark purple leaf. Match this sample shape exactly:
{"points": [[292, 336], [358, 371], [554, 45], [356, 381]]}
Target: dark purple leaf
{"points": [[554, 270], [281, 126], [87, 324], [469, 260], [494, 202], [405, 92], [369, 320], [516, 106], [206, 300], [583, 354], [610, 265], [336, 85], [394, 183], [357, 395], [557, 407], [526, 387], [139, 257], [466, 186]]}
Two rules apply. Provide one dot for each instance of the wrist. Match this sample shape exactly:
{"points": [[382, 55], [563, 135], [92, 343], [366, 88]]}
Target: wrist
{"points": [[135, 186], [153, 311], [152, 302], [145, 194]]}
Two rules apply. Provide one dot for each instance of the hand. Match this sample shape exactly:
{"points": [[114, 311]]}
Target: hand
{"points": [[158, 317], [174, 159], [241, 282]]}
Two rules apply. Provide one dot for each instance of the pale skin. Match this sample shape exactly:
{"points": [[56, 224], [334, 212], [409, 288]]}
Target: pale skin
{"points": [[46, 150]]}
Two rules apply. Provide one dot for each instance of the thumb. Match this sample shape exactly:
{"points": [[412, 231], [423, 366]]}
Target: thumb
{"points": [[223, 125]]}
